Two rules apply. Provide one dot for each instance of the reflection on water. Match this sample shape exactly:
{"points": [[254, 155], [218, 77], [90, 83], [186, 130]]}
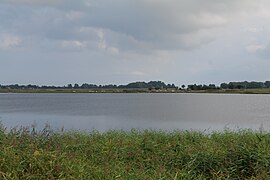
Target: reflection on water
{"points": [[141, 111]]}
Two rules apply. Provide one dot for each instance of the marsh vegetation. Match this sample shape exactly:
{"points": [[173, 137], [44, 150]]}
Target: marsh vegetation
{"points": [[28, 153]]}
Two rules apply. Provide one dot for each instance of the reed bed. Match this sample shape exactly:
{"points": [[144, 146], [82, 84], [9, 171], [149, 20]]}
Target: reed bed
{"points": [[26, 153]]}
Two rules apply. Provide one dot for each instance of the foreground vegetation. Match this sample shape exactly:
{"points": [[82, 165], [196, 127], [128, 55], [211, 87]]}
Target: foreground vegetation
{"points": [[28, 154]]}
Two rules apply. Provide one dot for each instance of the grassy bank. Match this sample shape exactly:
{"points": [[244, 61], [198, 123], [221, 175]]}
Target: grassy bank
{"points": [[133, 155]]}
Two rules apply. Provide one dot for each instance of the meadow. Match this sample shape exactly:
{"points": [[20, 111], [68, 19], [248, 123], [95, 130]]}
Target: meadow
{"points": [[26, 153]]}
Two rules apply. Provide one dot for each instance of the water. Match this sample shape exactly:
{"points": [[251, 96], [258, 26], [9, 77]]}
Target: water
{"points": [[103, 112]]}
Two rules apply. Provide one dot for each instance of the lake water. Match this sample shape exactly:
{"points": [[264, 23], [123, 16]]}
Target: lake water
{"points": [[103, 112]]}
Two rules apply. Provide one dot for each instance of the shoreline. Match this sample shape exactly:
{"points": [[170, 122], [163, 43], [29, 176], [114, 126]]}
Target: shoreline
{"points": [[215, 91]]}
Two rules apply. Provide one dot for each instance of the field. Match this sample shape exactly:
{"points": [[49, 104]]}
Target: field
{"points": [[26, 153]]}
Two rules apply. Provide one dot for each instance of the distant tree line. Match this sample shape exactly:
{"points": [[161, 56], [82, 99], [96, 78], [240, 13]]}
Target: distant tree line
{"points": [[231, 85], [245, 85], [134, 85], [148, 85], [202, 87]]}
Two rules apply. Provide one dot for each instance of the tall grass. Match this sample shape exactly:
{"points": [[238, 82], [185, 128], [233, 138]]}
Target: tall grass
{"points": [[26, 153]]}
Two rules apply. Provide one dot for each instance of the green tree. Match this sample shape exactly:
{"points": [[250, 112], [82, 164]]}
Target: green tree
{"points": [[69, 86], [76, 86]]}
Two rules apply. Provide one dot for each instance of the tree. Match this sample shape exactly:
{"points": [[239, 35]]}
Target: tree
{"points": [[69, 86], [211, 86], [224, 86], [76, 86], [267, 84], [137, 85]]}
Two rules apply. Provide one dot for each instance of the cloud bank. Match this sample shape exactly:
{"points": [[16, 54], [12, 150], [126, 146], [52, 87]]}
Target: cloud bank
{"points": [[126, 25], [130, 36]]}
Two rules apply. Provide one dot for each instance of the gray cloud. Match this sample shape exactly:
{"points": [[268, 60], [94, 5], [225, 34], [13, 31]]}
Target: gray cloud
{"points": [[8, 41], [60, 4], [163, 24], [127, 40], [128, 25]]}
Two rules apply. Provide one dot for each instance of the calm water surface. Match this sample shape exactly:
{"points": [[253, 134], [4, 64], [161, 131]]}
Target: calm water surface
{"points": [[142, 111]]}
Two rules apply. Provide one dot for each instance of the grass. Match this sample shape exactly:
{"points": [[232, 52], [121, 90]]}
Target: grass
{"points": [[28, 154]]}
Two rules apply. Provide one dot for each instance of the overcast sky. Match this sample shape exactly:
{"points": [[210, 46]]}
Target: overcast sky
{"points": [[55, 42]]}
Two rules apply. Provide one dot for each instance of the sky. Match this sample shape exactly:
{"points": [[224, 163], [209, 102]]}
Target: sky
{"points": [[57, 42]]}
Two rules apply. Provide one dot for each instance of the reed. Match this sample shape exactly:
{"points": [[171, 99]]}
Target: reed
{"points": [[26, 153]]}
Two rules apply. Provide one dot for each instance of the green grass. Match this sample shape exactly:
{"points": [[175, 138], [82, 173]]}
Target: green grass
{"points": [[28, 154]]}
